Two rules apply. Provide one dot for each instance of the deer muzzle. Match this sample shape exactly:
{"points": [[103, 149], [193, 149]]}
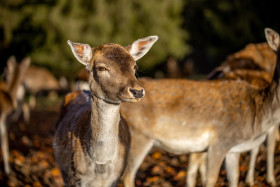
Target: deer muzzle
{"points": [[137, 93]]}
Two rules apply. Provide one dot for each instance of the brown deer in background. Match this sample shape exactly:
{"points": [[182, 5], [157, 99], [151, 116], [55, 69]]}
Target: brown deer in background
{"points": [[81, 80], [255, 64], [217, 117], [39, 79], [8, 101], [92, 139]]}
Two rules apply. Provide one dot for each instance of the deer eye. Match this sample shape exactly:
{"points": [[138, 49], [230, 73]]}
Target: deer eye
{"points": [[101, 68]]}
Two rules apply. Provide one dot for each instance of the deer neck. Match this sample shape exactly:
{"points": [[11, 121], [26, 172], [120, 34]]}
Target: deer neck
{"points": [[105, 118], [273, 99]]}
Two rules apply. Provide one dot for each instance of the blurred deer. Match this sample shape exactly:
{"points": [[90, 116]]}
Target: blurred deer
{"points": [[81, 80], [254, 64], [9, 101], [184, 116], [175, 71], [39, 79], [92, 139]]}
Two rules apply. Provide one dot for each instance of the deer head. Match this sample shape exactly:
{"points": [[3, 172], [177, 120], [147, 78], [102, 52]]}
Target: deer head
{"points": [[112, 69]]}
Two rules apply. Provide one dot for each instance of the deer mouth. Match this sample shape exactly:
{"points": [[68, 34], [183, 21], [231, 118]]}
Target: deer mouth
{"points": [[132, 100]]}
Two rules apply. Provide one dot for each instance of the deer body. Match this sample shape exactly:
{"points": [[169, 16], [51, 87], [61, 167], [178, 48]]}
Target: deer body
{"points": [[191, 116], [195, 116], [92, 140], [255, 65]]}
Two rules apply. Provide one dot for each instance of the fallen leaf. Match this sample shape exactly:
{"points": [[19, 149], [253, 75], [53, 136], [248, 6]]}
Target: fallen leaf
{"points": [[55, 172], [156, 155], [180, 175], [152, 179], [170, 171]]}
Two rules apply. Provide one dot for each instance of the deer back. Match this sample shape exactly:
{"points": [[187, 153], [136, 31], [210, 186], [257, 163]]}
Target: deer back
{"points": [[254, 64]]}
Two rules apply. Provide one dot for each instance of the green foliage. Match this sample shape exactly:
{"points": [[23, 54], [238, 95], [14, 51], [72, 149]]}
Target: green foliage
{"points": [[41, 28]]}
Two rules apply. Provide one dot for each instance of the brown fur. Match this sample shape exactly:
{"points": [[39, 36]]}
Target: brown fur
{"points": [[38, 79], [71, 96], [252, 64], [185, 116], [255, 64]]}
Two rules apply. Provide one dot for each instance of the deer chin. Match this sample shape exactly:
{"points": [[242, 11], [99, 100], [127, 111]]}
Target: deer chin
{"points": [[131, 100]]}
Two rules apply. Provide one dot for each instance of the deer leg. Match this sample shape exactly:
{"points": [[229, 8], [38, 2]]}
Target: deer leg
{"points": [[26, 113], [215, 157], [140, 146], [4, 143], [32, 101], [202, 168], [271, 140], [277, 135], [250, 174], [197, 161], [232, 168]]}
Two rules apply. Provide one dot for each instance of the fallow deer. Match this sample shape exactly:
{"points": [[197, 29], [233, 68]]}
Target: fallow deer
{"points": [[92, 139], [39, 79], [81, 80], [217, 117], [254, 64], [8, 101]]}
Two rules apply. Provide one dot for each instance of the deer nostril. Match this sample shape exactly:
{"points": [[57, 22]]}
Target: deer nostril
{"points": [[137, 93]]}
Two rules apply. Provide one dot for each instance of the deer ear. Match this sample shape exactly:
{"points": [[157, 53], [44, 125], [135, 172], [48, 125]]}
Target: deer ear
{"points": [[272, 38], [82, 52], [11, 63], [25, 62], [141, 46]]}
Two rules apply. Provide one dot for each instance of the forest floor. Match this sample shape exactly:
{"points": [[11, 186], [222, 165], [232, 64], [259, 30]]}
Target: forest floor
{"points": [[33, 164]]}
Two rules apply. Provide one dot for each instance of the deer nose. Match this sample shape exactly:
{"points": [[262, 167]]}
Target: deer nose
{"points": [[137, 93]]}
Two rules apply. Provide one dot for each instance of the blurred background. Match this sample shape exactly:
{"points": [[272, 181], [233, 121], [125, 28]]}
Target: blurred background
{"points": [[195, 35]]}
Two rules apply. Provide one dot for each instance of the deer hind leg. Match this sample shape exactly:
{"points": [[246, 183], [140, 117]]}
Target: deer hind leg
{"points": [[271, 141], [250, 174], [140, 146], [232, 168], [4, 143], [197, 161]]}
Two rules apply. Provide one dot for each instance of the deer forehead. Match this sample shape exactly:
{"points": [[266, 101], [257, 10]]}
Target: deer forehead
{"points": [[113, 54]]}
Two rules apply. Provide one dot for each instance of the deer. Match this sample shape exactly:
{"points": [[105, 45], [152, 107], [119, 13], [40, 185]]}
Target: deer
{"points": [[81, 80], [219, 117], [37, 80], [254, 64], [9, 101], [92, 139]]}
